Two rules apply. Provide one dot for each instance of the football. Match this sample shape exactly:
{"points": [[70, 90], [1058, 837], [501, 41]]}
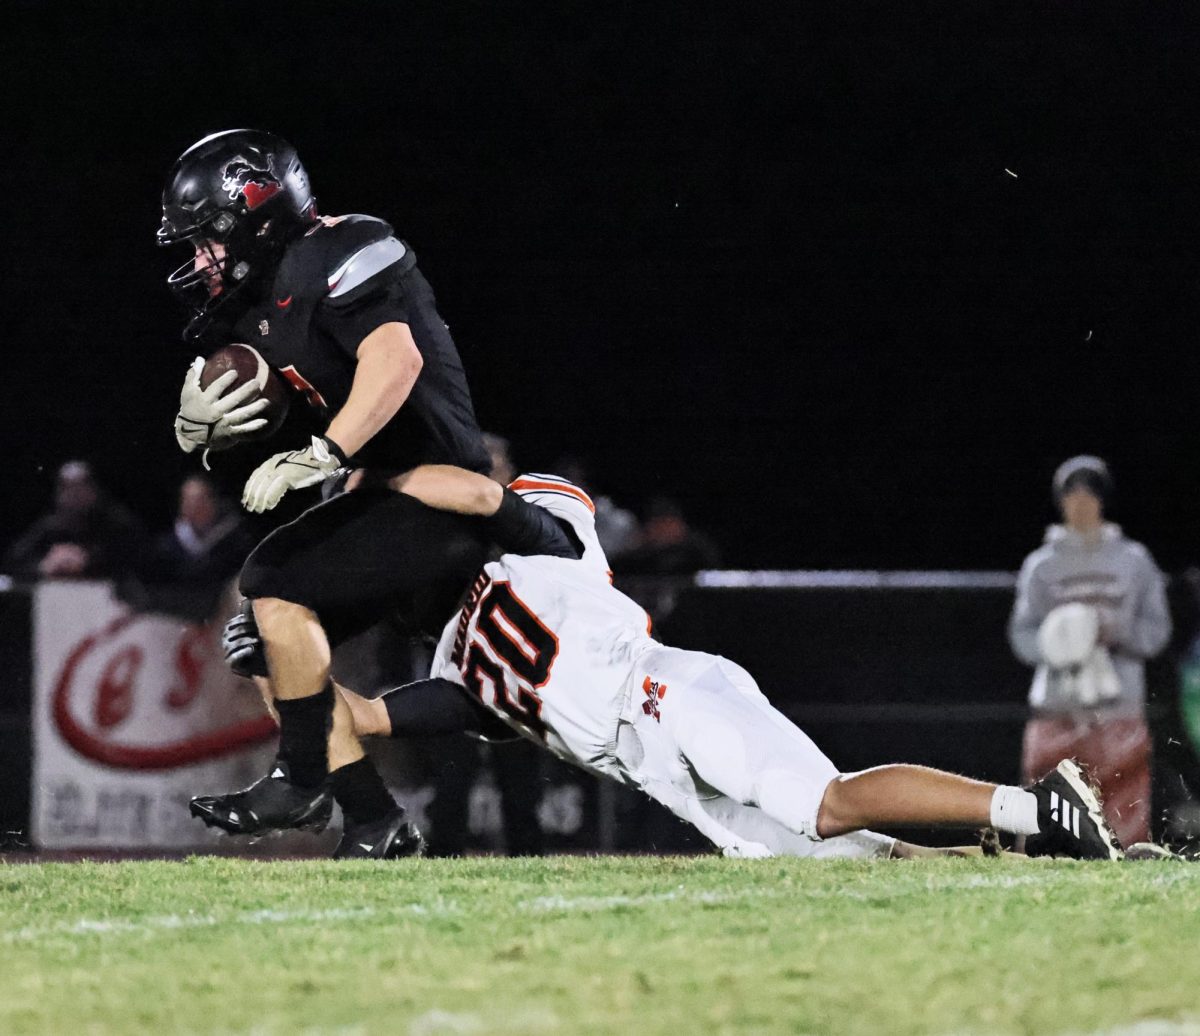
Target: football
{"points": [[251, 366]]}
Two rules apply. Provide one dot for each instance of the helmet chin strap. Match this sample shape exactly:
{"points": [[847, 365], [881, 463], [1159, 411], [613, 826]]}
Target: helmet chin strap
{"points": [[204, 315], [233, 285], [235, 275]]}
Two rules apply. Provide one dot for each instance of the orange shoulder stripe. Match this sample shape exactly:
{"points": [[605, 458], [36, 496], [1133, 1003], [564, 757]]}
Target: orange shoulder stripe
{"points": [[554, 487]]}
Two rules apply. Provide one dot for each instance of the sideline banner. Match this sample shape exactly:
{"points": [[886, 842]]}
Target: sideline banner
{"points": [[133, 715]]}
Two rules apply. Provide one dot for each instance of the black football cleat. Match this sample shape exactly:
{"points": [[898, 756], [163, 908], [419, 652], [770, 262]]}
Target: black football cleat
{"points": [[1071, 820], [388, 838], [271, 804]]}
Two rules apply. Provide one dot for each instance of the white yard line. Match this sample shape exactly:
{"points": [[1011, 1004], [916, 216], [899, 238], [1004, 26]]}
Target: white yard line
{"points": [[1153, 1027], [934, 883], [437, 1022], [543, 904], [1143, 1027], [463, 1023], [173, 922]]}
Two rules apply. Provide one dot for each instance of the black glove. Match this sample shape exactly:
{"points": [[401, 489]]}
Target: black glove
{"points": [[242, 645]]}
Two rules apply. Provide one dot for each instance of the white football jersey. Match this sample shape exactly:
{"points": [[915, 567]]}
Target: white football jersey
{"points": [[547, 643]]}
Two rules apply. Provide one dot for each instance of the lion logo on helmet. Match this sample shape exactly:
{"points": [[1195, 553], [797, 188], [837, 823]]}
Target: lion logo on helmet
{"points": [[241, 178]]}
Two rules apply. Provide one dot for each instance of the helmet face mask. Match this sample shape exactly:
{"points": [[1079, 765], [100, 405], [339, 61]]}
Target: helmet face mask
{"points": [[201, 280], [244, 190]]}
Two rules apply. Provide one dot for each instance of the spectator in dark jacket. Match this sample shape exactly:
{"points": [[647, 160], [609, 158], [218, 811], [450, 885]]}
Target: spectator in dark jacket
{"points": [[189, 568], [86, 536]]}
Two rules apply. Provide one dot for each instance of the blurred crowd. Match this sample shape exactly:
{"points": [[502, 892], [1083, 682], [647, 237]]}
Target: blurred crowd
{"points": [[87, 534]]}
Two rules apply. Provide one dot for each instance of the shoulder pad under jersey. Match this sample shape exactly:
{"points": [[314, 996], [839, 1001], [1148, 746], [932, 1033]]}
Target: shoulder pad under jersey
{"points": [[565, 500], [336, 255]]}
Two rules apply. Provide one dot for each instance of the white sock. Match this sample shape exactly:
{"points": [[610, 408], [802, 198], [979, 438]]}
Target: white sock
{"points": [[1014, 810]]}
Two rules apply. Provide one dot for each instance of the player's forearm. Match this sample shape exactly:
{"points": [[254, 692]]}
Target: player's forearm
{"points": [[388, 366], [448, 488], [514, 524]]}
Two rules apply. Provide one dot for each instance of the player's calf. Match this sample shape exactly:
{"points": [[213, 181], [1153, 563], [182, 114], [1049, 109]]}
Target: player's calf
{"points": [[903, 795]]}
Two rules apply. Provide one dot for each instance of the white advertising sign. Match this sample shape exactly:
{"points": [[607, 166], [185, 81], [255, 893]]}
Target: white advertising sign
{"points": [[133, 715]]}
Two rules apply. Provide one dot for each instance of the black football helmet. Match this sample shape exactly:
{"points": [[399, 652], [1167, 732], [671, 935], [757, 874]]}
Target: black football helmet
{"points": [[244, 190]]}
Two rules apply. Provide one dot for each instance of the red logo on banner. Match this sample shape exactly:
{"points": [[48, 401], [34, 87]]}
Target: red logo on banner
{"points": [[114, 694]]}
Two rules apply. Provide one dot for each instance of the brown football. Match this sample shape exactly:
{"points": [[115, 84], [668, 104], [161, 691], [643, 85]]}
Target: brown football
{"points": [[251, 366]]}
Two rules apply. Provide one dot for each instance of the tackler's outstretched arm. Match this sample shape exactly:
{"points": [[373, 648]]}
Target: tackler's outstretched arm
{"points": [[448, 488], [517, 526]]}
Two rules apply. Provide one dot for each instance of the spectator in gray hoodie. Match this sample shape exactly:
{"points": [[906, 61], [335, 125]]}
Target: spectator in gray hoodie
{"points": [[1092, 710]]}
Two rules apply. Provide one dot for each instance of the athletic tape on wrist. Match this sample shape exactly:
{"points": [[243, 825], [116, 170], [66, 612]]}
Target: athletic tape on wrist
{"points": [[338, 453]]}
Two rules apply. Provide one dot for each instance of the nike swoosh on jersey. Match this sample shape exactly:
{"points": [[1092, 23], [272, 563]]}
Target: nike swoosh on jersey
{"points": [[284, 303]]}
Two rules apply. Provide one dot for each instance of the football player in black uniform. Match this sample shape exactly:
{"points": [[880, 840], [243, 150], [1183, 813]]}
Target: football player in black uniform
{"points": [[338, 306]]}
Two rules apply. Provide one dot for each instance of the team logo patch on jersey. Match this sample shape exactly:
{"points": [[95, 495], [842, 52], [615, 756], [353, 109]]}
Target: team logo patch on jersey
{"points": [[654, 692], [264, 328], [241, 178]]}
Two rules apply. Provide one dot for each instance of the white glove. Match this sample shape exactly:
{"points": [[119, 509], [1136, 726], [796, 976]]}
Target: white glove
{"points": [[208, 419], [276, 475]]}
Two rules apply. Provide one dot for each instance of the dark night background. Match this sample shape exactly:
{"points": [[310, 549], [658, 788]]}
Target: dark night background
{"points": [[769, 263]]}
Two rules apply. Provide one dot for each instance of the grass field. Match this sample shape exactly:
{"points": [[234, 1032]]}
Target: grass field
{"points": [[608, 945]]}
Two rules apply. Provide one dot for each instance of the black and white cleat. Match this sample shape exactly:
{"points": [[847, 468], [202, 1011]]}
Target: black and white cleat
{"points": [[1070, 818]]}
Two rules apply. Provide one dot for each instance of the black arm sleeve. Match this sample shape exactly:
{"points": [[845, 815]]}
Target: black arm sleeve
{"points": [[427, 708], [519, 527]]}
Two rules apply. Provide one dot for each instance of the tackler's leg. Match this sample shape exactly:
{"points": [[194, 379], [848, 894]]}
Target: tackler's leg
{"points": [[737, 742], [1060, 815], [901, 795]]}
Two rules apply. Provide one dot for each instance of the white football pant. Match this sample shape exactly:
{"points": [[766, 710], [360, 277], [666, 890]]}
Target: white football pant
{"points": [[701, 738]]}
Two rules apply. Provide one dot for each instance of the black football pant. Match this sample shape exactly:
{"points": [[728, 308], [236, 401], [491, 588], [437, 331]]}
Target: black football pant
{"points": [[366, 554]]}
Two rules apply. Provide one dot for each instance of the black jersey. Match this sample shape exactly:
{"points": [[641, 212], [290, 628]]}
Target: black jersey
{"points": [[335, 285]]}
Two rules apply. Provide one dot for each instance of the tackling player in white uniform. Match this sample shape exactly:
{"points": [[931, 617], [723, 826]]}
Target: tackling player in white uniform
{"points": [[549, 646]]}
